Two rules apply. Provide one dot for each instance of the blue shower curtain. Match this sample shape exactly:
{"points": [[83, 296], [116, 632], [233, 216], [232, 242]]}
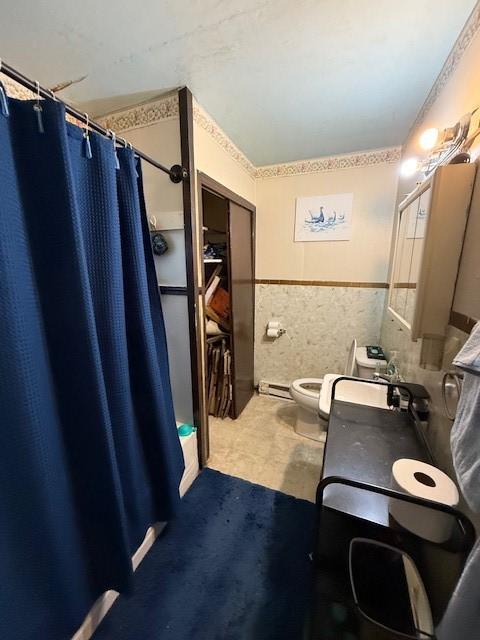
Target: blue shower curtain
{"points": [[89, 454]]}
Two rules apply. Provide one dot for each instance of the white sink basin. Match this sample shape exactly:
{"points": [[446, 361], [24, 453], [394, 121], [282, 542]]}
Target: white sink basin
{"points": [[372, 395]]}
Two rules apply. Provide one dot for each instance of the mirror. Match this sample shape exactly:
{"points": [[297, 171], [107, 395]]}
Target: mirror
{"points": [[416, 228], [401, 267], [427, 247], [408, 256], [388, 590]]}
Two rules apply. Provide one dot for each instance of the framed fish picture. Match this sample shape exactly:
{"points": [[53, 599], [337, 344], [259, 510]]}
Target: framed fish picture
{"points": [[324, 218]]}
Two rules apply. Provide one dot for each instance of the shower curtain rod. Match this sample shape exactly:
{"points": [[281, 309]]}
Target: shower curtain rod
{"points": [[177, 173]]}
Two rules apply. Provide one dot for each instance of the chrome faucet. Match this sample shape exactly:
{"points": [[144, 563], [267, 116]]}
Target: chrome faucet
{"points": [[388, 377], [391, 374]]}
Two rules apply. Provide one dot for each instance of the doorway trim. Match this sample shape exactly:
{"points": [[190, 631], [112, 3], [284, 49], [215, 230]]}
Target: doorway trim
{"points": [[185, 108], [208, 183]]}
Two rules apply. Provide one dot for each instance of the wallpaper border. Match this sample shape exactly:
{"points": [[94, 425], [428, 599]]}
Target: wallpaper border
{"points": [[166, 107], [142, 115], [462, 43], [354, 160], [205, 121], [15, 90]]}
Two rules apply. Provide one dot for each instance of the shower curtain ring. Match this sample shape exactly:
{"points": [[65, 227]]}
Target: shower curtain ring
{"points": [[86, 137], [135, 159], [37, 107], [114, 140], [87, 122]]}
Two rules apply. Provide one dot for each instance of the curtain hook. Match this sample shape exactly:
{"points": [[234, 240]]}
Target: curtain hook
{"points": [[114, 140], [136, 159], [86, 137], [37, 107]]}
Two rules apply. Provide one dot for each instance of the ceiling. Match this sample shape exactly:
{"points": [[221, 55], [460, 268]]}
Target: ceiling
{"points": [[286, 80]]}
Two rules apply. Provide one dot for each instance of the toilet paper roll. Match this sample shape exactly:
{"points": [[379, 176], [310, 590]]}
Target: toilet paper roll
{"points": [[273, 333], [424, 481], [274, 329]]}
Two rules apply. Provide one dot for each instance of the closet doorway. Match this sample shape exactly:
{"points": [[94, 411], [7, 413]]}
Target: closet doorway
{"points": [[228, 223]]}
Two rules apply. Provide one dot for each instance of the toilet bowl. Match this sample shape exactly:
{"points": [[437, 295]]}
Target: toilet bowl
{"points": [[306, 391], [313, 395], [308, 421]]}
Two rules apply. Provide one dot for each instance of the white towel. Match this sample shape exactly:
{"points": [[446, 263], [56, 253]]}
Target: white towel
{"points": [[462, 617], [465, 435]]}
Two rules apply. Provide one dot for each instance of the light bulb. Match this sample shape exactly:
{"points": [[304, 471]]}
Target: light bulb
{"points": [[409, 167], [429, 138]]}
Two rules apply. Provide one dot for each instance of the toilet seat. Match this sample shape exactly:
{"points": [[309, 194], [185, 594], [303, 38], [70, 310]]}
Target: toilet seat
{"points": [[314, 404], [325, 398], [311, 398], [308, 398]]}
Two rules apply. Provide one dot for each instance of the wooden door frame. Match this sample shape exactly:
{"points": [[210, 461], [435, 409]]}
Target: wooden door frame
{"points": [[231, 289], [185, 108], [208, 183]]}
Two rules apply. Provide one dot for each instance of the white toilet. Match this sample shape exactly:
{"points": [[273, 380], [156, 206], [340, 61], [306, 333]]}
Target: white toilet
{"points": [[313, 395]]}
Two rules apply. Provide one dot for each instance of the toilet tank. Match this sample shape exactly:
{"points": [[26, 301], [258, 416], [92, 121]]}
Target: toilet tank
{"points": [[366, 367]]}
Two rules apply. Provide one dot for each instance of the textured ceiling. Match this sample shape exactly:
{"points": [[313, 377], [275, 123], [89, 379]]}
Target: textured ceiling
{"points": [[285, 79]]}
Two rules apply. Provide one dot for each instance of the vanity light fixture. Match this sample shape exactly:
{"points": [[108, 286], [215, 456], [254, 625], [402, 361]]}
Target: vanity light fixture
{"points": [[446, 144], [409, 167], [429, 138]]}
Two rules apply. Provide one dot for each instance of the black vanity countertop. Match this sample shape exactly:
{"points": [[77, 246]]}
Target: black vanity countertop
{"points": [[362, 444]]}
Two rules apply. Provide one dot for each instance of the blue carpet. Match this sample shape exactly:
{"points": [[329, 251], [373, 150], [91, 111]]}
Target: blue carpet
{"points": [[234, 565]]}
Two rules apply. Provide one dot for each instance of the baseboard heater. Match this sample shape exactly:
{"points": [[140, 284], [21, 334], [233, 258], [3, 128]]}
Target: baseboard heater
{"points": [[277, 389]]}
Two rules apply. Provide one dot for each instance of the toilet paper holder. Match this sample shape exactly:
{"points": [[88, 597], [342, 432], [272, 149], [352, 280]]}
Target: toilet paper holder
{"points": [[451, 386], [274, 329]]}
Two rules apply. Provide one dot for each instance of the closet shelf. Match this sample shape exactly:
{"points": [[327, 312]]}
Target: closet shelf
{"points": [[222, 232], [212, 260]]}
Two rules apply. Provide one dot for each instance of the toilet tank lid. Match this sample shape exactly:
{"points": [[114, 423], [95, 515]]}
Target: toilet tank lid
{"points": [[364, 361]]}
